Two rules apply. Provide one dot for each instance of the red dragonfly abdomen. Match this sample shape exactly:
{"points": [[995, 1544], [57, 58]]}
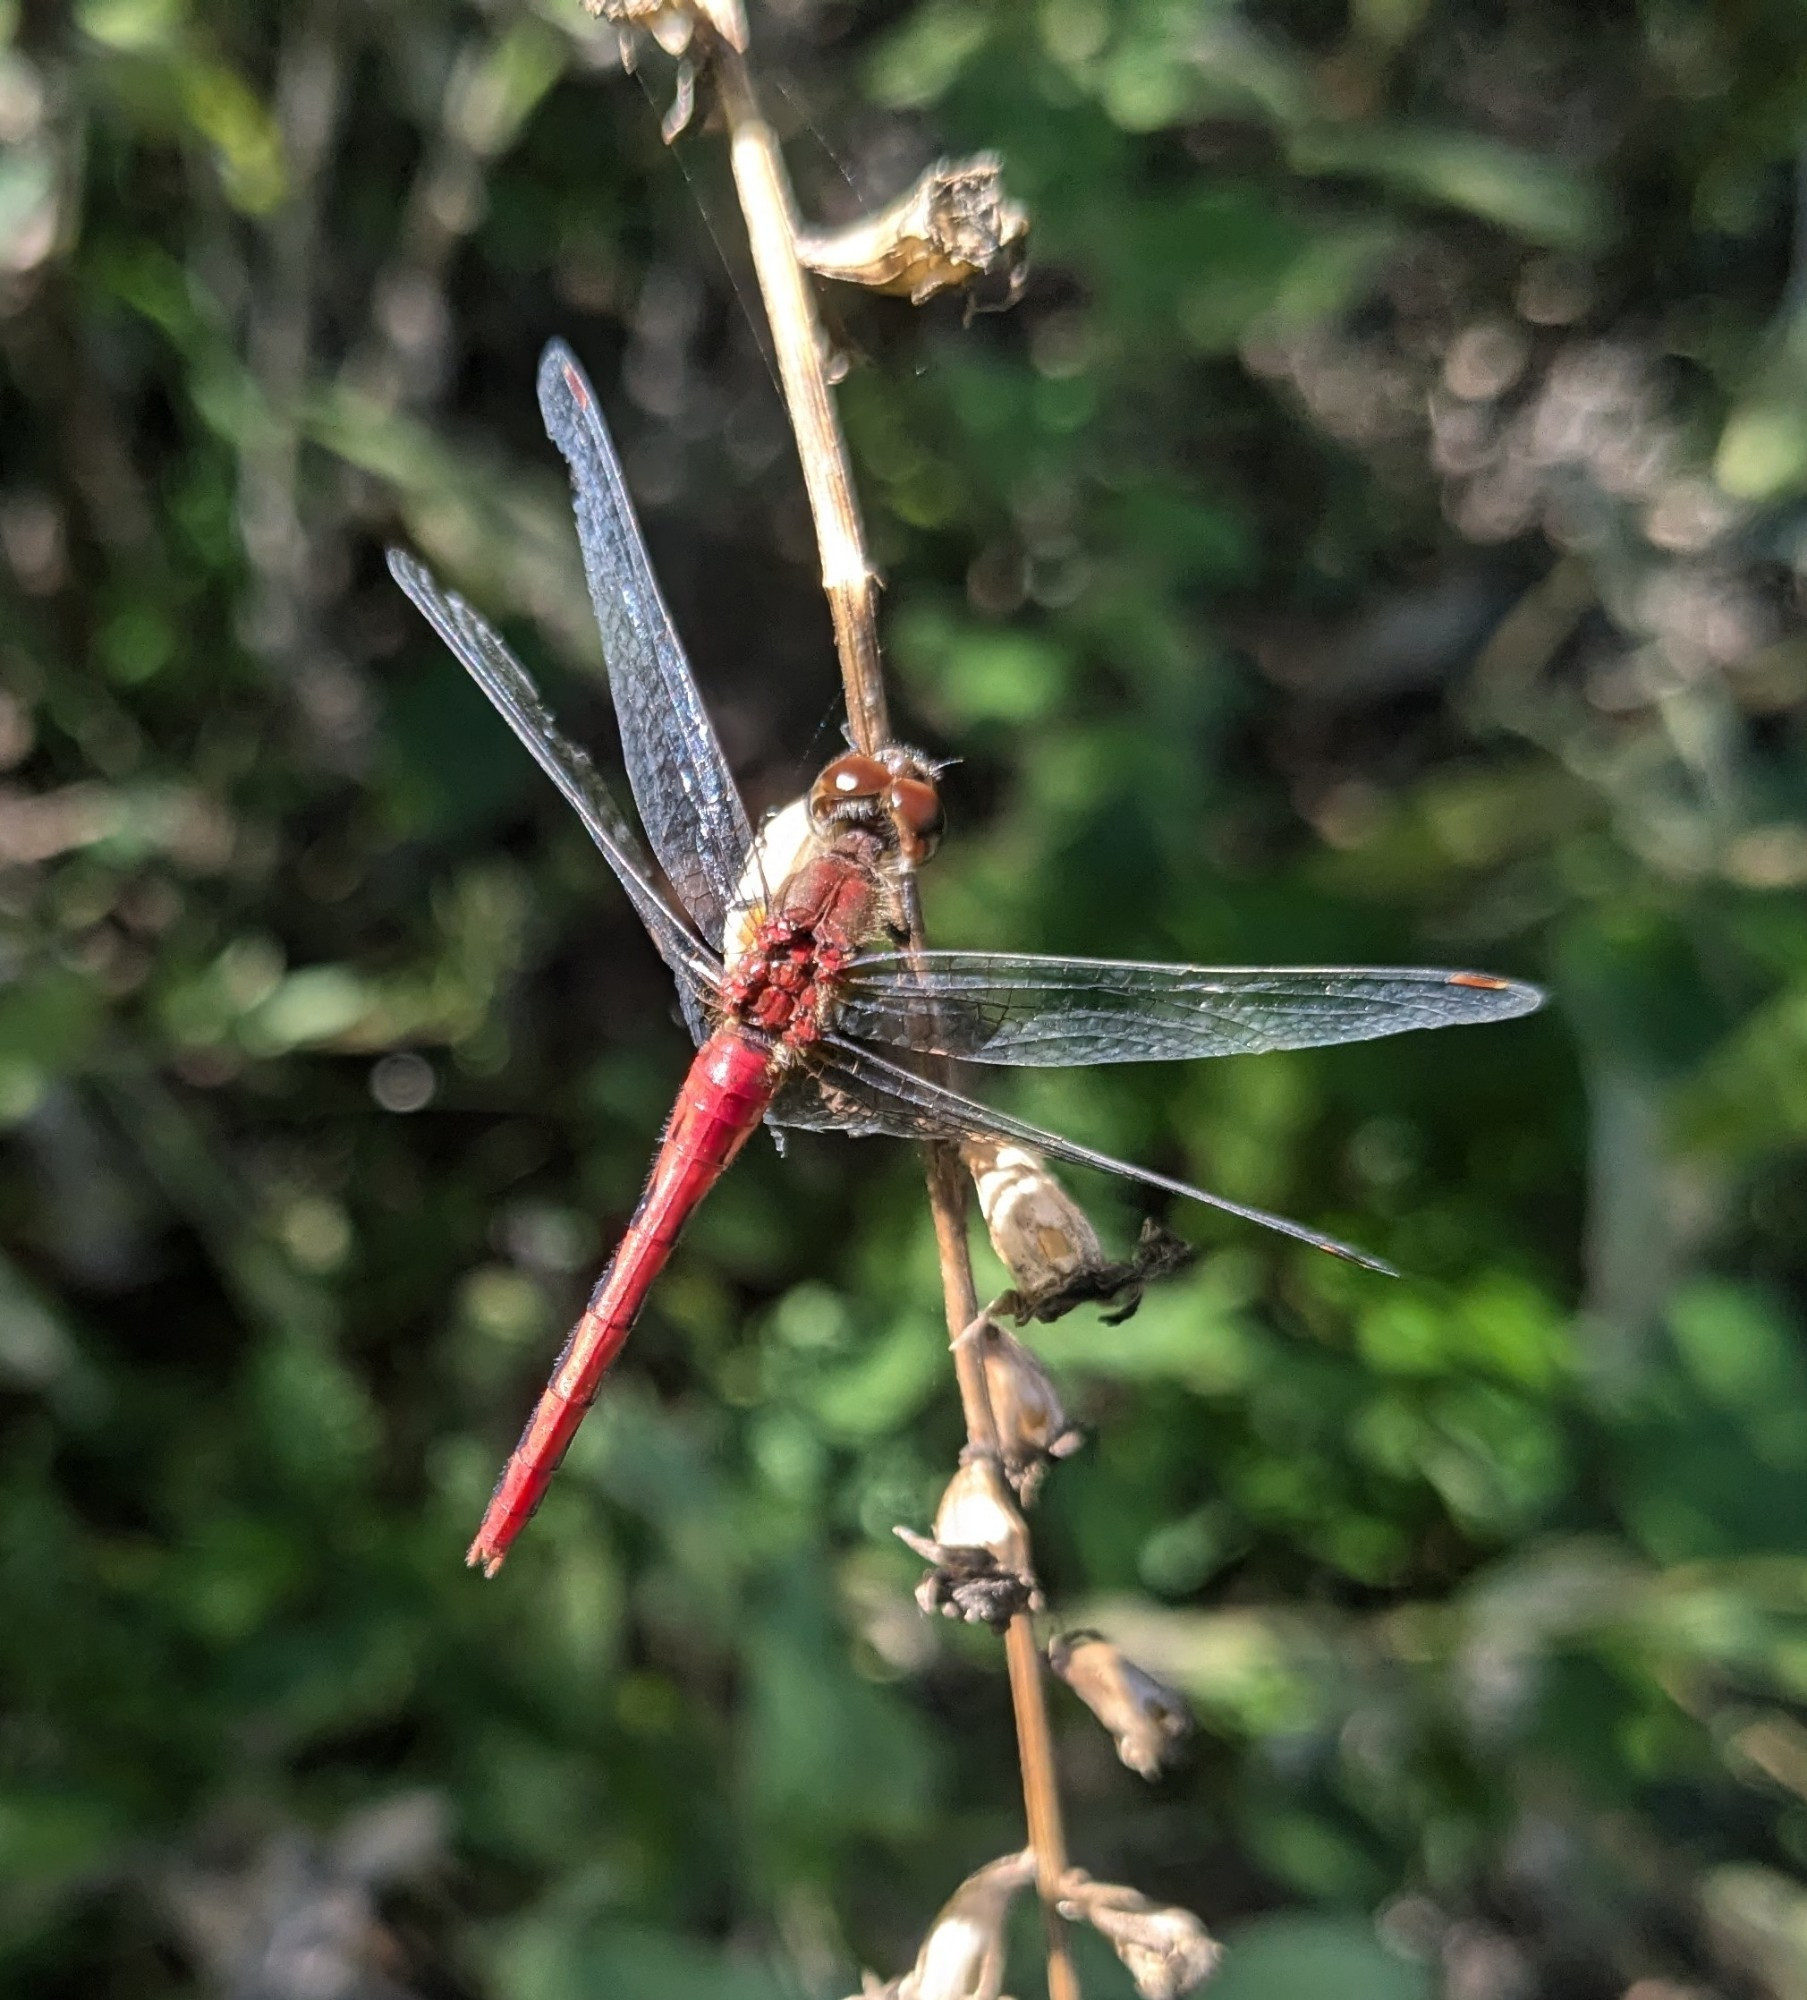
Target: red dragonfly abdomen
{"points": [[730, 1084]]}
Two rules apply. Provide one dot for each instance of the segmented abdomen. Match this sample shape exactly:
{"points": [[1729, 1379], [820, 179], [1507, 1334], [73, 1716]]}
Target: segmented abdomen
{"points": [[721, 1101]]}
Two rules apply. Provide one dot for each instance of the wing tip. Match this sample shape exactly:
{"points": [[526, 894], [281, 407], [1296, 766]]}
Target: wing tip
{"points": [[1363, 1259], [561, 375], [1512, 996], [556, 356]]}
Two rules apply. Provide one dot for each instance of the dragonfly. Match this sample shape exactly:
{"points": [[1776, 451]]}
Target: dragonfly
{"points": [[792, 954]]}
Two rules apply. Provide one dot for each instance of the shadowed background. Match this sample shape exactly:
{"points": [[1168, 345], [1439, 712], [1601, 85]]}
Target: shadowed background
{"points": [[1374, 536]]}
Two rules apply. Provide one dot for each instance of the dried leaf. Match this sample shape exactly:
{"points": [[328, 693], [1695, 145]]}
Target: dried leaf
{"points": [[952, 228]]}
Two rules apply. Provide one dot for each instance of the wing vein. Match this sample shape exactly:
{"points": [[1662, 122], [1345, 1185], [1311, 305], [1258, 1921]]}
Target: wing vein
{"points": [[931, 1110], [1019, 1008], [676, 771], [487, 658]]}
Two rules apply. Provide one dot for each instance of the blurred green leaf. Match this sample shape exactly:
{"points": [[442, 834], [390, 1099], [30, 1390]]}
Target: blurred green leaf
{"points": [[1280, 1956], [1368, 537], [1536, 198]]}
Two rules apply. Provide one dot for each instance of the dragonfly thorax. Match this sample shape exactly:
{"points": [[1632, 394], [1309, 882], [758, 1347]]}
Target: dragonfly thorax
{"points": [[785, 842], [859, 833], [784, 983]]}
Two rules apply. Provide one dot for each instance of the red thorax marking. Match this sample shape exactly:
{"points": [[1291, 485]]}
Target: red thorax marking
{"points": [[784, 983]]}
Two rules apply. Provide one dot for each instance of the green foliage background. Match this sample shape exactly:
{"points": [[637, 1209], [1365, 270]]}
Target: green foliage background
{"points": [[1374, 536]]}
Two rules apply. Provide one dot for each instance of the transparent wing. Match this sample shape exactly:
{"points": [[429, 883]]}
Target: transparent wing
{"points": [[858, 1092], [485, 656], [675, 768], [825, 1098], [1000, 1007]]}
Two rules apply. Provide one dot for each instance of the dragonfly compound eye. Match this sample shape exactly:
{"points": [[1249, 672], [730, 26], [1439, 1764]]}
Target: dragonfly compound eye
{"points": [[915, 805], [893, 794], [847, 786]]}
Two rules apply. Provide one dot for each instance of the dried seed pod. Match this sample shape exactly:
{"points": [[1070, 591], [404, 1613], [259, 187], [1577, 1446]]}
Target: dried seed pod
{"points": [[952, 228], [673, 24], [980, 1556], [962, 1958], [683, 29], [1167, 1950], [1043, 1238], [978, 1512], [1145, 1717], [1032, 1426], [1047, 1243], [970, 1583]]}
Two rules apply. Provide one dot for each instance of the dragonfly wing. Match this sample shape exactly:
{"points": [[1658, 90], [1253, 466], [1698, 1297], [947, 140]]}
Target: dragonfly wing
{"points": [[830, 1098], [675, 768], [696, 1017], [1001, 1007], [859, 1092], [485, 656]]}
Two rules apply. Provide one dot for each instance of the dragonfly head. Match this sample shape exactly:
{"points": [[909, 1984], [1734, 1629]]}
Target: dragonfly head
{"points": [[892, 794]]}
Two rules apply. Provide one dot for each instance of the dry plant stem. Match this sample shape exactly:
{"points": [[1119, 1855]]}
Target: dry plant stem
{"points": [[766, 201], [847, 579], [947, 1203], [1041, 1796], [948, 1184]]}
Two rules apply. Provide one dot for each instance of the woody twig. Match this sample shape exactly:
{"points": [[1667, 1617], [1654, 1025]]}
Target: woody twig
{"points": [[928, 251], [848, 581]]}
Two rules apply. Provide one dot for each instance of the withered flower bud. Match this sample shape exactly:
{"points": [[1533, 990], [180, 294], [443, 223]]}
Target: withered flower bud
{"points": [[962, 1958], [970, 1584], [977, 1512], [673, 24], [1167, 1950], [982, 1568], [1048, 1245], [1159, 1254], [1145, 1717], [1032, 1426], [952, 228], [1043, 1238], [683, 29]]}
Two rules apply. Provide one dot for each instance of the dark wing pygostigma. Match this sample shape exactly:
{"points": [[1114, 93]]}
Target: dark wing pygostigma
{"points": [[680, 780]]}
